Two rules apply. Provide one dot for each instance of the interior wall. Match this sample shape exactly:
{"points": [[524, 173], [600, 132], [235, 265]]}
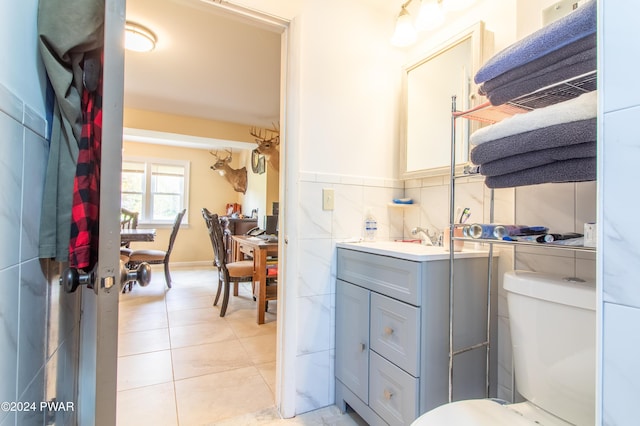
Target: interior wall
{"points": [[207, 189], [346, 139], [40, 323], [183, 125], [618, 236], [256, 195]]}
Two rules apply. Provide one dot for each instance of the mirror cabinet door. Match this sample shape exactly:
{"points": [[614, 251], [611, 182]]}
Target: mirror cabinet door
{"points": [[428, 86]]}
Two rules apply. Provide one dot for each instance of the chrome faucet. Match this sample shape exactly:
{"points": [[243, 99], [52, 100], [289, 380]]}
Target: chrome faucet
{"points": [[428, 238]]}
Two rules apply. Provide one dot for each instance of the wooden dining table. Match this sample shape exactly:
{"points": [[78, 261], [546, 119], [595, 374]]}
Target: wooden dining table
{"points": [[138, 234], [259, 250]]}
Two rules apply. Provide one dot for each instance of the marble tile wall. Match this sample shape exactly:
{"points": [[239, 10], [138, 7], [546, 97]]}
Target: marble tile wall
{"points": [[619, 233], [316, 284], [38, 322]]}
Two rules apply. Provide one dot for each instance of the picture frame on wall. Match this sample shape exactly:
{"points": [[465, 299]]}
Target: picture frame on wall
{"points": [[257, 162]]}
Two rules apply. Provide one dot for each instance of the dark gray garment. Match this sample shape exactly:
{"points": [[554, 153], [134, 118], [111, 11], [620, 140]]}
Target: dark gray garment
{"points": [[67, 29]]}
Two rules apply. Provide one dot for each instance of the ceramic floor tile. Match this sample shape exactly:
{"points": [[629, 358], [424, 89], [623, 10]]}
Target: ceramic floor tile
{"points": [[147, 304], [149, 405], [152, 368], [268, 372], [249, 327], [189, 292], [199, 334], [327, 416], [203, 345], [185, 303], [260, 348], [211, 358], [215, 397], [133, 321], [193, 316], [139, 342]]}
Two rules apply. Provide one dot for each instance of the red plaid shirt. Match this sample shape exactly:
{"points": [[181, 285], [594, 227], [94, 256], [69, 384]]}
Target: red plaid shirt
{"points": [[83, 245]]}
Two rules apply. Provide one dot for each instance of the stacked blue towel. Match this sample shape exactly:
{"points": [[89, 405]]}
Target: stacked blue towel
{"points": [[562, 50]]}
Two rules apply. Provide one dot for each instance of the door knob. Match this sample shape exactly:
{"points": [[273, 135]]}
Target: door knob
{"points": [[71, 279], [142, 274]]}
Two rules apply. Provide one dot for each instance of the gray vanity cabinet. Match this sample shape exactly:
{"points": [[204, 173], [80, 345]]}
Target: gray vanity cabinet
{"points": [[353, 341], [392, 341]]}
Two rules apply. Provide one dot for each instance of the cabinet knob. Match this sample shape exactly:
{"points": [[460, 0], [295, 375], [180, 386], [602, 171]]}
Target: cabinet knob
{"points": [[387, 394], [363, 347], [388, 331]]}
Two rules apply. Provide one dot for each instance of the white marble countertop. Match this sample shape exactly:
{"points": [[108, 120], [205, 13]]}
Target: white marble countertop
{"points": [[410, 251]]}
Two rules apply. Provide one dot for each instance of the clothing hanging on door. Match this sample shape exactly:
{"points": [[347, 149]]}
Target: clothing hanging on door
{"points": [[83, 244], [67, 30]]}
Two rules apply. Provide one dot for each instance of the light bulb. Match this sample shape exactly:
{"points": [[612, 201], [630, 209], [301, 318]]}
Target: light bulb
{"points": [[405, 33], [430, 15]]}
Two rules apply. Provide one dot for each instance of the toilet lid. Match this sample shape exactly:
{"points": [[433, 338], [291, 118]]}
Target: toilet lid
{"points": [[473, 412]]}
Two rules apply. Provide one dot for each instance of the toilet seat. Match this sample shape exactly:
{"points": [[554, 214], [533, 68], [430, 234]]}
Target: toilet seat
{"points": [[477, 412]]}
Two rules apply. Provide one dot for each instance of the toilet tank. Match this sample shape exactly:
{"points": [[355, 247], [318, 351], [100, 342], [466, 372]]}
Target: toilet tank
{"points": [[553, 332]]}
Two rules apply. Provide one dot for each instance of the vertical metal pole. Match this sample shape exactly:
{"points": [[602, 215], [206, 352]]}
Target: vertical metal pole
{"points": [[451, 233], [489, 280]]}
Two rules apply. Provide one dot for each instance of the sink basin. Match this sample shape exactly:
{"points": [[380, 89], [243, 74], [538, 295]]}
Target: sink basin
{"points": [[409, 250]]}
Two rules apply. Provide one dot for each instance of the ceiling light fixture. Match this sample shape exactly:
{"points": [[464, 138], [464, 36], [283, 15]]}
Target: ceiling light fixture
{"points": [[405, 33], [430, 16], [138, 38]]}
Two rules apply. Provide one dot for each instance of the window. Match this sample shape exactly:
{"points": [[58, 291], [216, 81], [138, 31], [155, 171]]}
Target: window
{"points": [[157, 188]]}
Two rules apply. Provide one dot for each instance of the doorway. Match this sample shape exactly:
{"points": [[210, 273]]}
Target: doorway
{"points": [[237, 17]]}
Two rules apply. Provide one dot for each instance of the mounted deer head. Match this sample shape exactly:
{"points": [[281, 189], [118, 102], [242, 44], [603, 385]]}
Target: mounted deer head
{"points": [[268, 144], [236, 177]]}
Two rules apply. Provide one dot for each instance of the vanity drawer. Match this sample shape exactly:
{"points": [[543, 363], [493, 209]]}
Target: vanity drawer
{"points": [[395, 328], [397, 278], [393, 394]]}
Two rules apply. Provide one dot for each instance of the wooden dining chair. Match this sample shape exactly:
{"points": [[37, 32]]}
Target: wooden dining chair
{"points": [[157, 257], [228, 272], [128, 220]]}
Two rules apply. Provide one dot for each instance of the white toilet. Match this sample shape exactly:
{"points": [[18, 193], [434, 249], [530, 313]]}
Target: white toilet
{"points": [[553, 326]]}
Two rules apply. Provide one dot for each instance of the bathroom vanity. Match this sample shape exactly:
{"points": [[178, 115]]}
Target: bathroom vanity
{"points": [[392, 329]]}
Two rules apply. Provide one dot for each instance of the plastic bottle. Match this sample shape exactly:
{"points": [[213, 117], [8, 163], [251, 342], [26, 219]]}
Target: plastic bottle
{"points": [[370, 227]]}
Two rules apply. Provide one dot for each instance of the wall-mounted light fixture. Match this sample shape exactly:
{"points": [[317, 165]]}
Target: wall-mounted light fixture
{"points": [[138, 38], [429, 17]]}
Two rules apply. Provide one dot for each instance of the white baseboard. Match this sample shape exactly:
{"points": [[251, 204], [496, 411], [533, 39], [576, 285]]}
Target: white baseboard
{"points": [[192, 264]]}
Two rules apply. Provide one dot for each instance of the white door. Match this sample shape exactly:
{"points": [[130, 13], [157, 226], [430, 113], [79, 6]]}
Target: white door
{"points": [[99, 320]]}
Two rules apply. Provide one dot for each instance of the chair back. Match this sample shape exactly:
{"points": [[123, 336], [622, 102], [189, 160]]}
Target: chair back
{"points": [[174, 232], [215, 234], [128, 219]]}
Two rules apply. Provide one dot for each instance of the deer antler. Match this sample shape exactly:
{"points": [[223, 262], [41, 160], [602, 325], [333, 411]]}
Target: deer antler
{"points": [[258, 134]]}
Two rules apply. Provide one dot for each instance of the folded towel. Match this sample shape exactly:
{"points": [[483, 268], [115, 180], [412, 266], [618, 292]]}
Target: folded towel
{"points": [[527, 160], [502, 95], [568, 68], [581, 108], [575, 48], [575, 170], [564, 134], [548, 39]]}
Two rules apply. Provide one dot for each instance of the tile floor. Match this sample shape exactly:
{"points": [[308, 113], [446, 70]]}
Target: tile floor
{"points": [[180, 363]]}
